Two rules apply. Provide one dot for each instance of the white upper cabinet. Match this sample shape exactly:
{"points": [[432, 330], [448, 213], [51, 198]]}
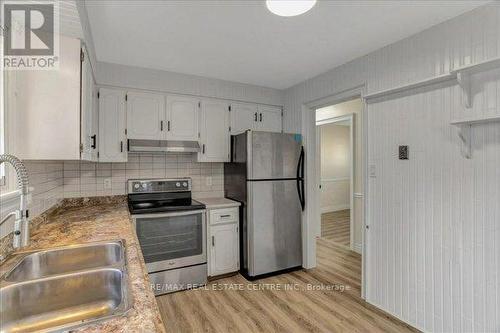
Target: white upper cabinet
{"points": [[214, 131], [269, 119], [145, 115], [243, 117], [47, 108], [89, 123], [182, 118], [112, 139]]}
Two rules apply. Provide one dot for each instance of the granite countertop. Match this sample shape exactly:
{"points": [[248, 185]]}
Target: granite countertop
{"points": [[213, 203], [98, 219]]}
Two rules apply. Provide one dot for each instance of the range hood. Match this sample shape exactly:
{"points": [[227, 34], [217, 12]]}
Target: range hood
{"points": [[163, 146]]}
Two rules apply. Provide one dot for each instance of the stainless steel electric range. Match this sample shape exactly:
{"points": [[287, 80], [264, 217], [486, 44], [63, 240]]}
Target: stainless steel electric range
{"points": [[171, 228]]}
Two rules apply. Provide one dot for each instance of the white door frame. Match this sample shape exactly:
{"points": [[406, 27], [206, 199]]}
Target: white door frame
{"points": [[350, 119], [311, 217]]}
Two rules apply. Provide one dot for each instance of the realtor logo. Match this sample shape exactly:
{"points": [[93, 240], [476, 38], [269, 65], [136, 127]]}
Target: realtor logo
{"points": [[31, 36]]}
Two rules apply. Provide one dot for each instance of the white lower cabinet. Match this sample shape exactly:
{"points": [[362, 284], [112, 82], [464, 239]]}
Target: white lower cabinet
{"points": [[223, 241]]}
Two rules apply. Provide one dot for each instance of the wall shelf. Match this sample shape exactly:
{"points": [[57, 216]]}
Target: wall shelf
{"points": [[461, 75], [472, 121], [464, 77], [412, 86], [479, 67], [465, 131]]}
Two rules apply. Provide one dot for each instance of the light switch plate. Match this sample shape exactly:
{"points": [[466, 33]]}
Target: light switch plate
{"points": [[372, 171]]}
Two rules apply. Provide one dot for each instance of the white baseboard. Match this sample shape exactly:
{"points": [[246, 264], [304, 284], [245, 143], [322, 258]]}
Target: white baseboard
{"points": [[329, 209], [358, 248]]}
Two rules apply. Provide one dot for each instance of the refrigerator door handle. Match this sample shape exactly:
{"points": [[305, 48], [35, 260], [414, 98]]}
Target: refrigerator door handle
{"points": [[300, 179]]}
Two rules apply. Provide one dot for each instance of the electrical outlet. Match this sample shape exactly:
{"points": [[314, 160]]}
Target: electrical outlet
{"points": [[107, 183], [208, 181]]}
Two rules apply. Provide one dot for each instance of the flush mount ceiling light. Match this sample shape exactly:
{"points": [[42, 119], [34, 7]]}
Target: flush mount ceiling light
{"points": [[289, 7]]}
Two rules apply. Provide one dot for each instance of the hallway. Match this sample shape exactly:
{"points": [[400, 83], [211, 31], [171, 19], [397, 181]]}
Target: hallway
{"points": [[335, 227]]}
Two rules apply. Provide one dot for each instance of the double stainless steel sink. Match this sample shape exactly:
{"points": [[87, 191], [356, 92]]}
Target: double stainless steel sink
{"points": [[63, 288]]}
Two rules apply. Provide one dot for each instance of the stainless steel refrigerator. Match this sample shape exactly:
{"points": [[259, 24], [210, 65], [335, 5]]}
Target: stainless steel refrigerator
{"points": [[266, 174]]}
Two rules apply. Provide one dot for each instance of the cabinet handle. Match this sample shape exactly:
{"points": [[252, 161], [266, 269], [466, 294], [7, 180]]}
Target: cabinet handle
{"points": [[261, 117], [203, 149], [213, 241], [227, 215], [121, 146], [93, 137], [161, 125], [168, 125], [255, 119]]}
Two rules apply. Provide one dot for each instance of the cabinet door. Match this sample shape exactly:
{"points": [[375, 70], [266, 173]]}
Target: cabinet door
{"points": [[88, 130], [269, 119], [112, 140], [145, 114], [214, 131], [243, 117], [182, 118], [224, 249]]}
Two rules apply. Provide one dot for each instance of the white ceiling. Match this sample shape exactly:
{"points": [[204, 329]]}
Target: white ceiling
{"points": [[242, 41]]}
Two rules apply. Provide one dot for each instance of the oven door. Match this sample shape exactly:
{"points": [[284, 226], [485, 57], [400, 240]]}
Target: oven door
{"points": [[172, 240]]}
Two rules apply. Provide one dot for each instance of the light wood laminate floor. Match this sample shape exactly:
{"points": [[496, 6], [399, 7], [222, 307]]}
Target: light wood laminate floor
{"points": [[335, 226], [233, 304]]}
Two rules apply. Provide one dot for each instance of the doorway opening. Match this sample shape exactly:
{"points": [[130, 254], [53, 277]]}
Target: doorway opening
{"points": [[335, 135]]}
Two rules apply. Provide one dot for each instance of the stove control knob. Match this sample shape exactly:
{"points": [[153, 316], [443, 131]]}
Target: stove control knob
{"points": [[177, 184], [144, 185], [136, 186], [185, 184]]}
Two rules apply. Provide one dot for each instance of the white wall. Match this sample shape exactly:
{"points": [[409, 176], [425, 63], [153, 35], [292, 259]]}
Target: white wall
{"points": [[433, 244], [335, 167], [149, 79]]}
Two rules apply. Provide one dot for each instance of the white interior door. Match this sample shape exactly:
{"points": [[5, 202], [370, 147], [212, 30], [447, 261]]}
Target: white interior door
{"points": [[224, 249], [269, 119], [214, 131], [182, 118], [145, 113], [112, 140], [243, 117]]}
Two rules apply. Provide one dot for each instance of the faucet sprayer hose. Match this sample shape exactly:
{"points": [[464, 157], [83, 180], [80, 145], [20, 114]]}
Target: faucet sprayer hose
{"points": [[21, 172]]}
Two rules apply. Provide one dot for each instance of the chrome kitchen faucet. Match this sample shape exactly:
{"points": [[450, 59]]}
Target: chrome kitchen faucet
{"points": [[21, 227]]}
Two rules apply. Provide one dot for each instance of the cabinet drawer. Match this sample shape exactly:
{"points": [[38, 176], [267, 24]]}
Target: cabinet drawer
{"points": [[225, 215]]}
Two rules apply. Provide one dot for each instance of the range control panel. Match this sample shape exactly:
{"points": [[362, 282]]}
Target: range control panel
{"points": [[159, 185]]}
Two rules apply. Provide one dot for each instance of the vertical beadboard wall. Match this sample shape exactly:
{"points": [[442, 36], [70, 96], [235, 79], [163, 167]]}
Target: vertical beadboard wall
{"points": [[434, 240]]}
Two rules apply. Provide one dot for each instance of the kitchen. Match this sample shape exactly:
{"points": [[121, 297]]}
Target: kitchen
{"points": [[156, 189]]}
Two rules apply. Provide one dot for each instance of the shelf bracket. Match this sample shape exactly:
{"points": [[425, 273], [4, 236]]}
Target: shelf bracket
{"points": [[465, 135], [465, 84]]}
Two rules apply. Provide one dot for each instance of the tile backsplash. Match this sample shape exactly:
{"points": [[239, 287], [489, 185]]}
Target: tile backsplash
{"points": [[83, 179], [52, 181], [46, 182]]}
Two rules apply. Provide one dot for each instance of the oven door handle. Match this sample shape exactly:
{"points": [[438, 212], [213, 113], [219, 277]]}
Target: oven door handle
{"points": [[170, 214]]}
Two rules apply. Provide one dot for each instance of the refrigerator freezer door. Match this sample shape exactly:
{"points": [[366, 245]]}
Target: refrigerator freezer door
{"points": [[274, 226], [273, 155]]}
